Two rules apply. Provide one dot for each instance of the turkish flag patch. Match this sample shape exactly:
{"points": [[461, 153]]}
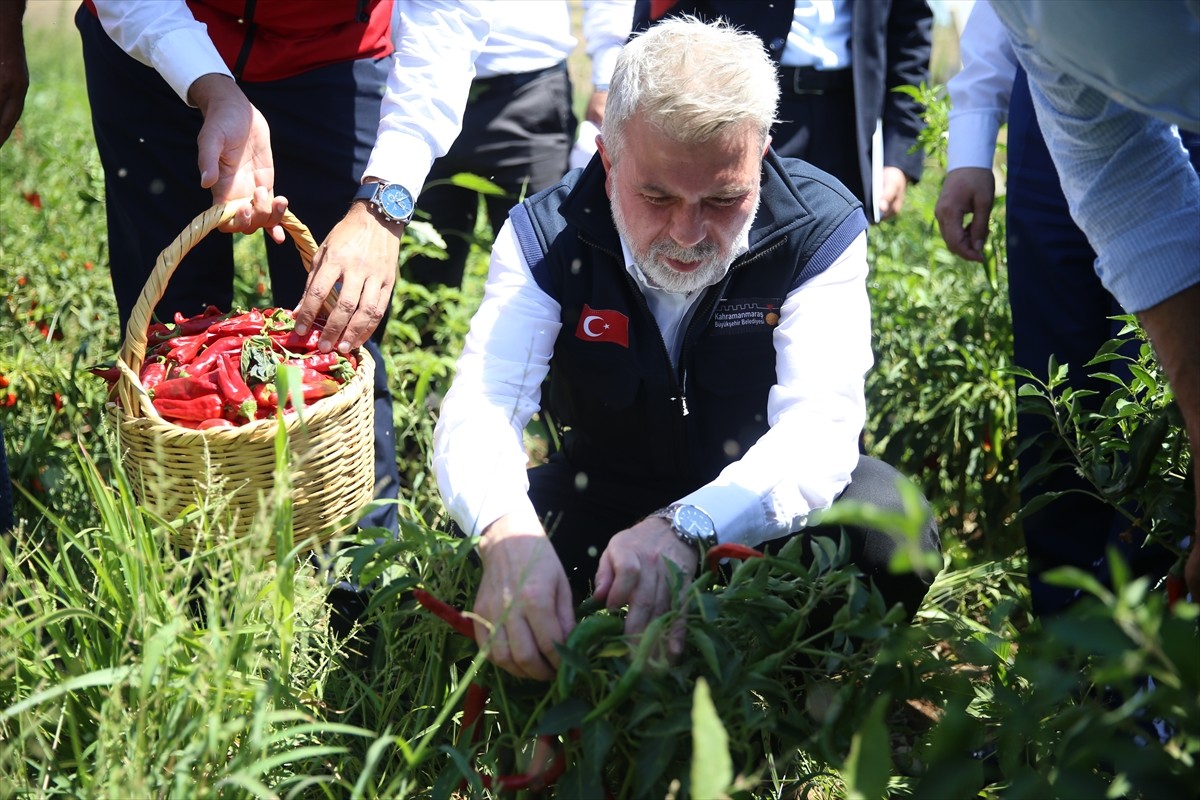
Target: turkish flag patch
{"points": [[603, 326]]}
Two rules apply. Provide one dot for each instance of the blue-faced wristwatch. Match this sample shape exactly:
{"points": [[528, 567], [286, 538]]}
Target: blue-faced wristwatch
{"points": [[692, 525], [393, 200]]}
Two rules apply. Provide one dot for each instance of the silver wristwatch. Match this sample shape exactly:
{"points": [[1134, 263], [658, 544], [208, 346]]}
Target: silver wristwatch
{"points": [[393, 200], [691, 524]]}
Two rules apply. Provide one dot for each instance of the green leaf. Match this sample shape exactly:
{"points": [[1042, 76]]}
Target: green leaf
{"points": [[869, 764], [475, 183], [712, 768]]}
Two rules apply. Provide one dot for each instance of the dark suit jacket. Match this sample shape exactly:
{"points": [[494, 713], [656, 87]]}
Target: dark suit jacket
{"points": [[890, 44]]}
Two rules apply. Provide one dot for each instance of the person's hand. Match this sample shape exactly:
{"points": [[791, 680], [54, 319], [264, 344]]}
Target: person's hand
{"points": [[361, 253], [966, 190], [525, 596], [14, 72], [891, 193], [234, 155], [594, 112], [633, 572]]}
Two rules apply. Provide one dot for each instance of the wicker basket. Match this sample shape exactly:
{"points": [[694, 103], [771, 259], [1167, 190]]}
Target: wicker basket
{"points": [[330, 445]]}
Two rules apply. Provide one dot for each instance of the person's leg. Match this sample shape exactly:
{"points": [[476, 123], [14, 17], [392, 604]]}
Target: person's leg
{"points": [[517, 133], [1060, 309], [820, 127], [323, 126], [146, 139], [875, 483]]}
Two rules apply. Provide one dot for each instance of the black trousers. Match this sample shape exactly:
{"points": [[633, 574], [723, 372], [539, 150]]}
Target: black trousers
{"points": [[817, 123], [582, 512], [323, 125], [517, 133]]}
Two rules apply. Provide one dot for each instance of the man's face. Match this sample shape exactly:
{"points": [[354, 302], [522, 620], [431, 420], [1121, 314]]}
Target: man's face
{"points": [[684, 209]]}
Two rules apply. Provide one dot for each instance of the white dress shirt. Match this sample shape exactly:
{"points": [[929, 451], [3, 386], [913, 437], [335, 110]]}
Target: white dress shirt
{"points": [[819, 36], [421, 112], [980, 91], [800, 465]]}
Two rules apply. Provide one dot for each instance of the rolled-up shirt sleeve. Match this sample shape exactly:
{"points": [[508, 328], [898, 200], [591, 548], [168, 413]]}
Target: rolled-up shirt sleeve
{"points": [[422, 107], [163, 35], [816, 411], [479, 455]]}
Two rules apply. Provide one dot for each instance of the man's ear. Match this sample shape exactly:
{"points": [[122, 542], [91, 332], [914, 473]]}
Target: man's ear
{"points": [[606, 160]]}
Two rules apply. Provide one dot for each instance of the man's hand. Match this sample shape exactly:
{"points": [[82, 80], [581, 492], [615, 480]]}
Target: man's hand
{"points": [[234, 155], [633, 572], [891, 196], [362, 253], [967, 190], [524, 593]]}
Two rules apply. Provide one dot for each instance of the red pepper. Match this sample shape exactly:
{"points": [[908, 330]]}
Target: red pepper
{"points": [[447, 613], [248, 324], [730, 550], [321, 362], [293, 342], [187, 326], [184, 348], [207, 360], [473, 703], [265, 396], [153, 373], [184, 388], [215, 423], [1176, 589], [198, 409], [235, 390], [108, 372]]}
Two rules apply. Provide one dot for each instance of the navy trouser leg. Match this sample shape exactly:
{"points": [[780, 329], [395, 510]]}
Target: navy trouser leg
{"points": [[322, 125], [1059, 308], [582, 513]]}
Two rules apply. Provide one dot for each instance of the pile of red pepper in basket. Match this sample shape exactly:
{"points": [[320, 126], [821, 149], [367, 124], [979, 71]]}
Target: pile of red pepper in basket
{"points": [[218, 370]]}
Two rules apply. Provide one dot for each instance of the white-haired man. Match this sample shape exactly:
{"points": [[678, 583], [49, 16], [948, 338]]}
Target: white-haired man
{"points": [[698, 312]]}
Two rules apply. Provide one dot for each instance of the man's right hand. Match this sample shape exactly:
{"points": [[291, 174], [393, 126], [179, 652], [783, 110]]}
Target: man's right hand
{"points": [[234, 155], [525, 596], [967, 190]]}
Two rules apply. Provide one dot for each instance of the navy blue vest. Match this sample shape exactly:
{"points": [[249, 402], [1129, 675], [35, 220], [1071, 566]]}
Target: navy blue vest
{"points": [[623, 409]]}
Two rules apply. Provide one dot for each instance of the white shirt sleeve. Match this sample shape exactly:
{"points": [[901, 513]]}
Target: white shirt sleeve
{"points": [[163, 35], [979, 93], [606, 28], [479, 454], [432, 69], [816, 411]]}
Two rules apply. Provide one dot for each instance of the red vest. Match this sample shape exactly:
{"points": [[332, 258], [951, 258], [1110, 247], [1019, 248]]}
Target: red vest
{"points": [[265, 40]]}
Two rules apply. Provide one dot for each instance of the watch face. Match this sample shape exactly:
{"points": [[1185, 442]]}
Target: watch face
{"points": [[694, 522], [396, 202]]}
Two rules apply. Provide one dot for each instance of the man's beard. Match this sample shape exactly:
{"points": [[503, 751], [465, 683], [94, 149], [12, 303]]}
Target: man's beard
{"points": [[714, 261]]}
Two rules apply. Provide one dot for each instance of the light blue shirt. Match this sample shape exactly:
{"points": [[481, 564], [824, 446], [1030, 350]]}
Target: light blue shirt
{"points": [[1108, 80]]}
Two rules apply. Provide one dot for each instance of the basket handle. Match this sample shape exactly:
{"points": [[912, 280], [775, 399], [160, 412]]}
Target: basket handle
{"points": [[133, 351]]}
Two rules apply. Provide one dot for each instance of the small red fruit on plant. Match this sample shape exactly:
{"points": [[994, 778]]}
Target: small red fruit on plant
{"points": [[34, 199]]}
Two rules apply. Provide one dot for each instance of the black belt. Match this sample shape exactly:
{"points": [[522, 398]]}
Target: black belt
{"points": [[809, 80], [513, 80]]}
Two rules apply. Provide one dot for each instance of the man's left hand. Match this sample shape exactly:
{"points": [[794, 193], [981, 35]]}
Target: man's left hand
{"points": [[891, 195], [361, 252], [633, 572]]}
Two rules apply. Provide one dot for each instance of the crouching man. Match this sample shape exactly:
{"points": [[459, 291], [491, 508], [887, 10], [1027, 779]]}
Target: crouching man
{"points": [[695, 310]]}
